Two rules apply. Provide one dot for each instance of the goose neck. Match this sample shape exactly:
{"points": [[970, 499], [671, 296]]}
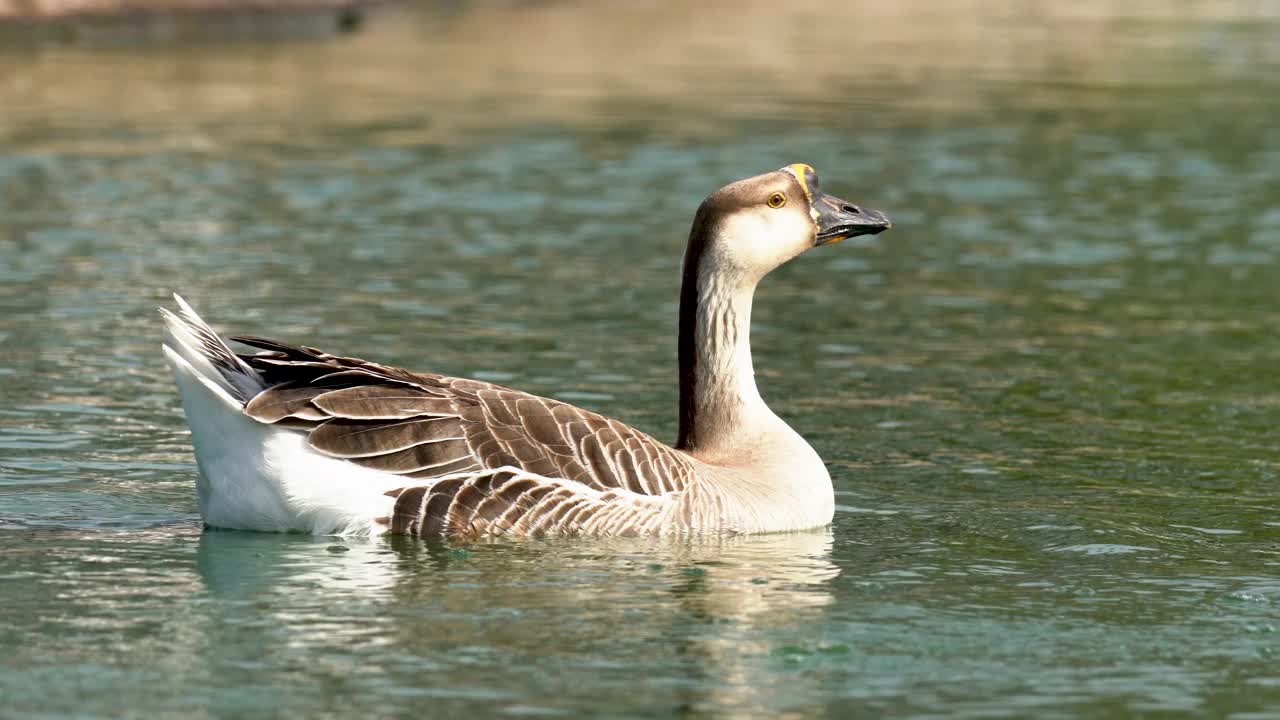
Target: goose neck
{"points": [[720, 406]]}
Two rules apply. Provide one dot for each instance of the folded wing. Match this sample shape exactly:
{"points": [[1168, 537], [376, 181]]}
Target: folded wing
{"points": [[427, 426]]}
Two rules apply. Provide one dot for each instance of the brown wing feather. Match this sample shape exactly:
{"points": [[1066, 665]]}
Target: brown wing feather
{"points": [[285, 401], [505, 502], [383, 402], [344, 438], [428, 426]]}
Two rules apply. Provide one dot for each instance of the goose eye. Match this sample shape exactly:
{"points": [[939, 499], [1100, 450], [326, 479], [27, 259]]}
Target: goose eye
{"points": [[777, 200]]}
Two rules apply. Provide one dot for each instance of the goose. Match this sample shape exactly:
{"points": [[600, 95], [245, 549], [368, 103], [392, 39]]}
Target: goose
{"points": [[291, 438]]}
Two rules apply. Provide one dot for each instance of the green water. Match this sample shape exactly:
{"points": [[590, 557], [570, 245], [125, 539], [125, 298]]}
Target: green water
{"points": [[1047, 397]]}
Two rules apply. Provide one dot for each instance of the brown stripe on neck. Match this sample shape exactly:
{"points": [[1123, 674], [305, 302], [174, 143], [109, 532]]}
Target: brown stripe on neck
{"points": [[688, 342]]}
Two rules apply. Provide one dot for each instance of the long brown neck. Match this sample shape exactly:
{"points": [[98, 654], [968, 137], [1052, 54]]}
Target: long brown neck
{"points": [[719, 402]]}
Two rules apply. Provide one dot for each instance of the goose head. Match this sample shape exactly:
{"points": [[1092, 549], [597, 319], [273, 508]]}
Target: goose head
{"points": [[740, 233], [752, 226]]}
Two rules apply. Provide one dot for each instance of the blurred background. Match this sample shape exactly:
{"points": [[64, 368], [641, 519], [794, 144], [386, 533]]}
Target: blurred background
{"points": [[1047, 397]]}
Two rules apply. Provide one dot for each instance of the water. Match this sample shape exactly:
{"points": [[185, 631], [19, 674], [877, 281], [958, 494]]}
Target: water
{"points": [[1047, 397]]}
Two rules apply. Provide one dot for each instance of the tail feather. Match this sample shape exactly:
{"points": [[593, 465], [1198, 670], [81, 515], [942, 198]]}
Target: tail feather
{"points": [[255, 475], [191, 339]]}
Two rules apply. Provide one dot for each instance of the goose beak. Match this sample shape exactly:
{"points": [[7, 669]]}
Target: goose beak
{"points": [[840, 219]]}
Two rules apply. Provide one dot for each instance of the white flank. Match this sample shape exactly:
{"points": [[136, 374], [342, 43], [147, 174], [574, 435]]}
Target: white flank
{"points": [[255, 476]]}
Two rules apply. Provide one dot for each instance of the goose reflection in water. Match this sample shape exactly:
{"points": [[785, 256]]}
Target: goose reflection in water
{"points": [[426, 614]]}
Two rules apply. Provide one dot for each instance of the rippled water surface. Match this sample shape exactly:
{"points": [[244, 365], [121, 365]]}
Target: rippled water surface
{"points": [[1048, 397]]}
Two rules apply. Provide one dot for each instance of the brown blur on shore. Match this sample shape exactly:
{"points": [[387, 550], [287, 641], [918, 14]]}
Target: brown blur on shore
{"points": [[504, 62]]}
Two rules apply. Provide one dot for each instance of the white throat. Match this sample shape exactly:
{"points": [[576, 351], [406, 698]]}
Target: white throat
{"points": [[725, 378]]}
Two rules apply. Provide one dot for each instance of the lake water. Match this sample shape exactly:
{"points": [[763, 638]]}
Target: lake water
{"points": [[1048, 397]]}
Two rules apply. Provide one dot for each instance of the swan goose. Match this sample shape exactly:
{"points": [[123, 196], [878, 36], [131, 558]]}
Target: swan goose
{"points": [[295, 439]]}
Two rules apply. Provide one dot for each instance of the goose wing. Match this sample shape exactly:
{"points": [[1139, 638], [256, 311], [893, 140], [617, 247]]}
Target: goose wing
{"points": [[426, 426]]}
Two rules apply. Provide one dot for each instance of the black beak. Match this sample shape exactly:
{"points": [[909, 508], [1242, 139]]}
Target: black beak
{"points": [[839, 219]]}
